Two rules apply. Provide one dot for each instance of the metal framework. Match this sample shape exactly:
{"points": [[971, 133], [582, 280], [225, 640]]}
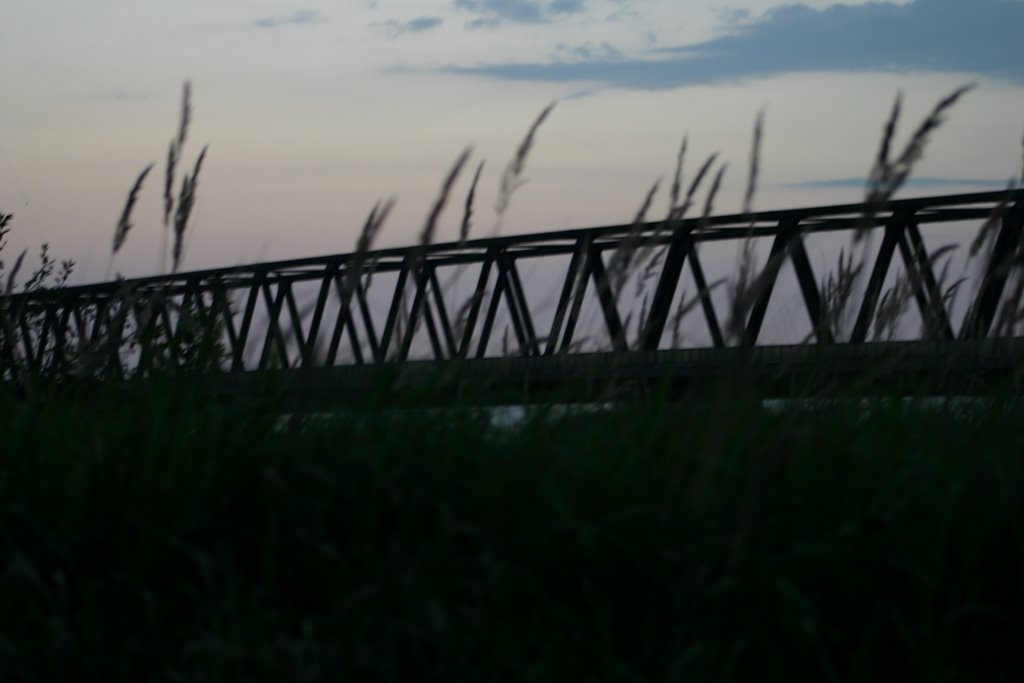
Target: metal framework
{"points": [[395, 305]]}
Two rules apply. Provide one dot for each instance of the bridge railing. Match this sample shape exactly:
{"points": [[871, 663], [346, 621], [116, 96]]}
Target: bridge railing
{"points": [[616, 288]]}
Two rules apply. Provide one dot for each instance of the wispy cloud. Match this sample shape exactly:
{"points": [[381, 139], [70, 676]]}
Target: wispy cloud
{"points": [[588, 51], [395, 28], [495, 12], [976, 36], [297, 18]]}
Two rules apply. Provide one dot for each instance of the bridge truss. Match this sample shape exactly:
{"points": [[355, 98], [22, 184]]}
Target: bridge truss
{"points": [[619, 289]]}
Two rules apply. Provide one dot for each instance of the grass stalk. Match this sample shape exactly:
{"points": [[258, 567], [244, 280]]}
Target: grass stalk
{"points": [[512, 178]]}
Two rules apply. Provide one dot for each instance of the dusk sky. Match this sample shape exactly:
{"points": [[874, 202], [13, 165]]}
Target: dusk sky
{"points": [[315, 110]]}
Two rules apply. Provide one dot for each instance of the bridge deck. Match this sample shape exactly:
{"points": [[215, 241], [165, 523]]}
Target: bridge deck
{"points": [[901, 368]]}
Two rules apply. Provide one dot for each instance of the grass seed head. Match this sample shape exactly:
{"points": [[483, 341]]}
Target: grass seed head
{"points": [[755, 163], [622, 258], [467, 215], [124, 223], [677, 179], [887, 177], [13, 273], [709, 203], [512, 178], [186, 201], [430, 227], [694, 186], [175, 148], [172, 162]]}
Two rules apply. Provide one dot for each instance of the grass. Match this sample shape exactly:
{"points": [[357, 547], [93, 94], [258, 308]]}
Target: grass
{"points": [[171, 537]]}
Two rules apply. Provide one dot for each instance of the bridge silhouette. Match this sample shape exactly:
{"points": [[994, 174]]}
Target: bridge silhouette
{"points": [[573, 313]]}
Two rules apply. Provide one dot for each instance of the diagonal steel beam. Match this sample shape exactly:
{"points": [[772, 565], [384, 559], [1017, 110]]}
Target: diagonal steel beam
{"points": [[238, 361], [607, 298], [529, 341], [420, 281], [1007, 244], [368, 326], [475, 303], [704, 292], [274, 337], [492, 311], [665, 291], [296, 319], [309, 349], [764, 285], [808, 284], [442, 314], [220, 305], [893, 232], [432, 333], [568, 287], [394, 310], [926, 289], [579, 290]]}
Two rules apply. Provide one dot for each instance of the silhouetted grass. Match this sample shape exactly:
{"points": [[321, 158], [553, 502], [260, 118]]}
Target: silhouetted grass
{"points": [[169, 538]]}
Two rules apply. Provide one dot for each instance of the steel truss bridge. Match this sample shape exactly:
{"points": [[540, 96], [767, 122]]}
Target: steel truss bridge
{"points": [[574, 312]]}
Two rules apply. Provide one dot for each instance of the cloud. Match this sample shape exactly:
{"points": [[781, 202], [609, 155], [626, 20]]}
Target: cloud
{"points": [[495, 12], [976, 36], [396, 28], [297, 18], [587, 51]]}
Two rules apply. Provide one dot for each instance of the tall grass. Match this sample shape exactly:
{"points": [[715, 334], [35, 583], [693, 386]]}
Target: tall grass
{"points": [[169, 535], [169, 539]]}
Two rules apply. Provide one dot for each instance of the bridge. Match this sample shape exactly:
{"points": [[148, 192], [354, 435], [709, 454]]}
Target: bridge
{"points": [[575, 314]]}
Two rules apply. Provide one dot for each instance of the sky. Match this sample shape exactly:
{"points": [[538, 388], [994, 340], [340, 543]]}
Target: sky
{"points": [[315, 110]]}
